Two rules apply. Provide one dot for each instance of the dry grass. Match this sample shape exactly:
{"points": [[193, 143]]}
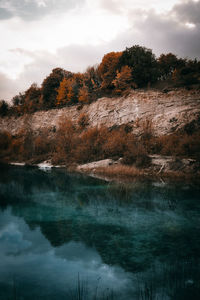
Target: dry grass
{"points": [[120, 171], [180, 175], [129, 173]]}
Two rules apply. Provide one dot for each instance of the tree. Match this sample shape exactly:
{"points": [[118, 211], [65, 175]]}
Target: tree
{"points": [[32, 98], [187, 72], [83, 96], [92, 81], [62, 91], [3, 108], [18, 99], [167, 63], [142, 63], [108, 68], [123, 79], [92, 78], [49, 87], [68, 91]]}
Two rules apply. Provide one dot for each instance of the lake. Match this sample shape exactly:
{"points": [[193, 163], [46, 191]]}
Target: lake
{"points": [[69, 236]]}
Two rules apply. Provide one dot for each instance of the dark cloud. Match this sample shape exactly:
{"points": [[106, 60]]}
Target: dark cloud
{"points": [[188, 12], [4, 13], [162, 33], [166, 34], [29, 10]]}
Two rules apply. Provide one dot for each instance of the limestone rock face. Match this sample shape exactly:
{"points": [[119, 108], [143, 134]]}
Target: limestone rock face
{"points": [[164, 112]]}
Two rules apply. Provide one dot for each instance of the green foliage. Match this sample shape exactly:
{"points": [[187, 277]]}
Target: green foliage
{"points": [[167, 63], [142, 63], [50, 86], [18, 99], [32, 98], [3, 108]]}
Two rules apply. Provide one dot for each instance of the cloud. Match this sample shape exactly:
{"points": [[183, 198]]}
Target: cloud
{"points": [[188, 12], [118, 6], [161, 32], [73, 58], [112, 6], [4, 13], [29, 10], [8, 87]]}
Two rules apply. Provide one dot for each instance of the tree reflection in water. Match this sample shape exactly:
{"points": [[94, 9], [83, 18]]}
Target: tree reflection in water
{"points": [[141, 239]]}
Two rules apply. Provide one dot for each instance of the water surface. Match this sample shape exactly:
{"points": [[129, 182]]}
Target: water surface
{"points": [[67, 236]]}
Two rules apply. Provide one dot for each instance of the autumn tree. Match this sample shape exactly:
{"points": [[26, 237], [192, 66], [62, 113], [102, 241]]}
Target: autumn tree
{"points": [[123, 79], [49, 87], [108, 68], [83, 96], [142, 63], [62, 91], [68, 91], [92, 77]]}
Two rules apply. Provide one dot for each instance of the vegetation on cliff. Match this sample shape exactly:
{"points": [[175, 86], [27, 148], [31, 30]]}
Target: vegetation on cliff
{"points": [[77, 143], [118, 72]]}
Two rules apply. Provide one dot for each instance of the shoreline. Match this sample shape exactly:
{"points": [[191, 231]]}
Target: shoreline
{"points": [[118, 172]]}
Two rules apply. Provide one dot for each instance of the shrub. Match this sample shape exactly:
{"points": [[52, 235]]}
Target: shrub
{"points": [[41, 146], [177, 144], [5, 140], [90, 144], [136, 154], [83, 120], [115, 144]]}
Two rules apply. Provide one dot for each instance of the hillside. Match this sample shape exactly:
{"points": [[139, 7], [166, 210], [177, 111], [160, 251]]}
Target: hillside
{"points": [[144, 132], [167, 112]]}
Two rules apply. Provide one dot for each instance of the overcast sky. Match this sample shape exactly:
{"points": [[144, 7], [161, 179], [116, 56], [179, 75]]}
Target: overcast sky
{"points": [[39, 35]]}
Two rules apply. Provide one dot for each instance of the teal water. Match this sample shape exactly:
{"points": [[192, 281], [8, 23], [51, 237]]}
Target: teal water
{"points": [[67, 236]]}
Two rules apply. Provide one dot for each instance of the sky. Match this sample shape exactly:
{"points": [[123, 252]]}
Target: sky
{"points": [[39, 35]]}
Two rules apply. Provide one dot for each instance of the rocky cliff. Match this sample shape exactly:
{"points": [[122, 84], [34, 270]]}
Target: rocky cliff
{"points": [[167, 112]]}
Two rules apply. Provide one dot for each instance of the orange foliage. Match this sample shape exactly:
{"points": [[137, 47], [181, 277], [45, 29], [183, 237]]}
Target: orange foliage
{"points": [[83, 96], [61, 98], [123, 79], [115, 145], [108, 68], [83, 120]]}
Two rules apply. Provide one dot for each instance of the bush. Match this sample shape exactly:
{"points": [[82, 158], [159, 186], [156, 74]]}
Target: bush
{"points": [[136, 154], [41, 146], [83, 120], [115, 144], [177, 144], [5, 140]]}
